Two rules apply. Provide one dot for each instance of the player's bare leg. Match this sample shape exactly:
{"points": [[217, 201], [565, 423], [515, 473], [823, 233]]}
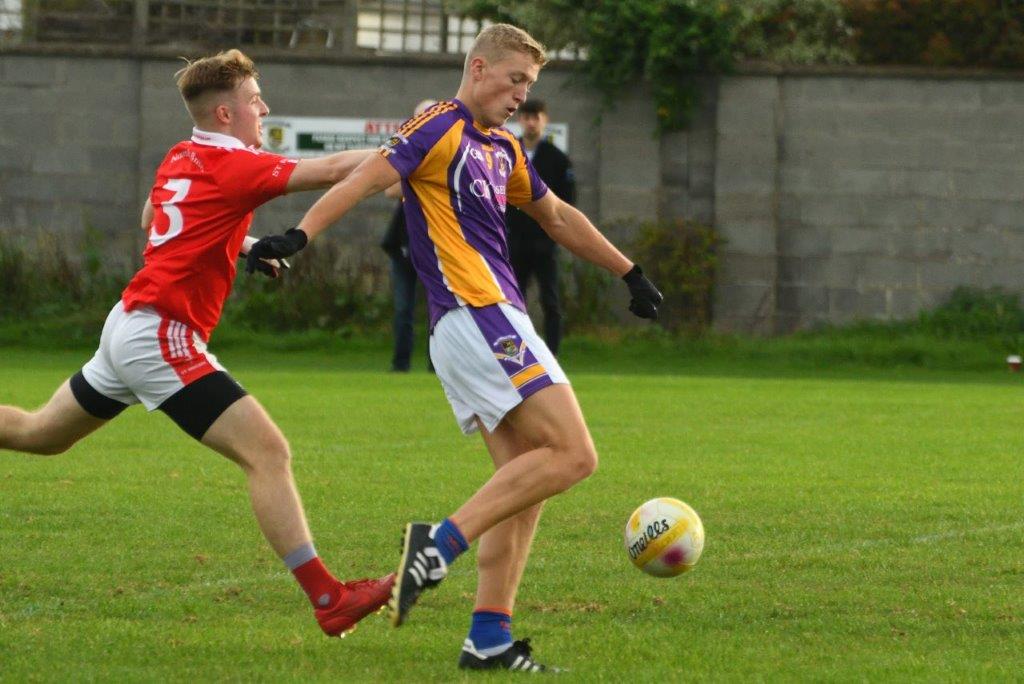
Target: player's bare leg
{"points": [[501, 559], [245, 433], [552, 418], [53, 429], [504, 549]]}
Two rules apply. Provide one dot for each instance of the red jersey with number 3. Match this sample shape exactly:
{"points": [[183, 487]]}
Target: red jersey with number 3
{"points": [[205, 192]]}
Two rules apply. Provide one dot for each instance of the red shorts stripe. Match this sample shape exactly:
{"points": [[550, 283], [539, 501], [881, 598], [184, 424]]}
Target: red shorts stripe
{"points": [[161, 336], [177, 346]]}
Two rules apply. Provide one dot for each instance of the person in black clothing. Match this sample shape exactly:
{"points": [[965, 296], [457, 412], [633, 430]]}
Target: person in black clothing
{"points": [[403, 276], [532, 252], [403, 284]]}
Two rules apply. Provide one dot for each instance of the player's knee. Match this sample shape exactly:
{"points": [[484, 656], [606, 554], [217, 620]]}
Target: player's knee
{"points": [[270, 454], [585, 462], [578, 463], [278, 452]]}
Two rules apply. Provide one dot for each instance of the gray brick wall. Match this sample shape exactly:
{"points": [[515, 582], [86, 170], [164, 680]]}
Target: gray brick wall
{"points": [[746, 203], [891, 192], [68, 148], [841, 196], [687, 173]]}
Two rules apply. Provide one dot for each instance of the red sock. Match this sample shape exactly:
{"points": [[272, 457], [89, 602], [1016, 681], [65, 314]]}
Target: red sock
{"points": [[322, 588]]}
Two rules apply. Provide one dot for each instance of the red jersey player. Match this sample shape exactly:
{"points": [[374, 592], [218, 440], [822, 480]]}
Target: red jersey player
{"points": [[153, 346]]}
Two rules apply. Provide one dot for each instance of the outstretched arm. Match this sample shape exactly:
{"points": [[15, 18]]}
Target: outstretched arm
{"points": [[323, 172], [570, 228], [370, 177]]}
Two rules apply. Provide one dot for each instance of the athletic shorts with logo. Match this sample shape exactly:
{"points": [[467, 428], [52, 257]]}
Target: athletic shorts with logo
{"points": [[489, 359]]}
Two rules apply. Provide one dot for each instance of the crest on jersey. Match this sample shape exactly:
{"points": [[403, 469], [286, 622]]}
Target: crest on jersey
{"points": [[504, 163], [511, 348]]}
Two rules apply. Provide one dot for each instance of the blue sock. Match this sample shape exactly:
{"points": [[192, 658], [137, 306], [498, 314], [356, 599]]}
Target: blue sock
{"points": [[491, 632], [449, 541]]}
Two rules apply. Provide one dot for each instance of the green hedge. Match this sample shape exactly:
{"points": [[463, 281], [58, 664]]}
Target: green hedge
{"points": [[944, 33], [795, 32], [963, 33], [47, 296]]}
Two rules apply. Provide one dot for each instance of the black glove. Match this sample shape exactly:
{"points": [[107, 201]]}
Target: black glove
{"points": [[275, 247], [645, 297], [265, 267]]}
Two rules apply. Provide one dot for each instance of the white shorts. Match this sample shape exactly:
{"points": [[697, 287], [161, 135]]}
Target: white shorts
{"points": [[489, 359], [145, 357]]}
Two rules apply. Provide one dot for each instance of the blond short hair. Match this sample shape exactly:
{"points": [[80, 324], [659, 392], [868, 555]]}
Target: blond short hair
{"points": [[216, 74], [498, 39]]}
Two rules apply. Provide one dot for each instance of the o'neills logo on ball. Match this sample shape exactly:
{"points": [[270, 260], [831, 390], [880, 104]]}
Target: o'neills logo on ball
{"points": [[653, 531]]}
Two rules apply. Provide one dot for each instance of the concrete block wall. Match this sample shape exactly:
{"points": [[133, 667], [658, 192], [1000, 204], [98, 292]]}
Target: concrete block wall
{"points": [[746, 196], [886, 192], [841, 195], [688, 163], [895, 190], [69, 148]]}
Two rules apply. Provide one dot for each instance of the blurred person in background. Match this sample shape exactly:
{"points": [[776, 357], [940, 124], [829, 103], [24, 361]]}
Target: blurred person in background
{"points": [[531, 250], [403, 275]]}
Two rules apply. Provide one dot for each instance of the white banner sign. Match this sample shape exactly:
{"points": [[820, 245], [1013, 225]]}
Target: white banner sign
{"points": [[307, 136]]}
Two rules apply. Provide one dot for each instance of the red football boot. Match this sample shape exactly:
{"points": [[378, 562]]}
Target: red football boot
{"points": [[359, 599]]}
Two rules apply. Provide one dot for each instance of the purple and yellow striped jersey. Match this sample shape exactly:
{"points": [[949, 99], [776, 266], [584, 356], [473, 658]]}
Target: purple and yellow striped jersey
{"points": [[456, 179]]}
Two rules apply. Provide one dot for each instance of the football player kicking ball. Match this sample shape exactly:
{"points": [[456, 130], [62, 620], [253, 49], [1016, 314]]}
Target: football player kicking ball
{"points": [[458, 168], [153, 346]]}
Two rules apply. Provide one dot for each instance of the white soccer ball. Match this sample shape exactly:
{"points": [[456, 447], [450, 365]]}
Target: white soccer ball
{"points": [[664, 537]]}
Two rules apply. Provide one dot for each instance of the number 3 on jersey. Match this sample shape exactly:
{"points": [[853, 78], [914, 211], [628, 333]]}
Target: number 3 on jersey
{"points": [[175, 221]]}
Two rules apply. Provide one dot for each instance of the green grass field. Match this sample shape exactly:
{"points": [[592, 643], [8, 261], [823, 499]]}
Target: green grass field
{"points": [[861, 525]]}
